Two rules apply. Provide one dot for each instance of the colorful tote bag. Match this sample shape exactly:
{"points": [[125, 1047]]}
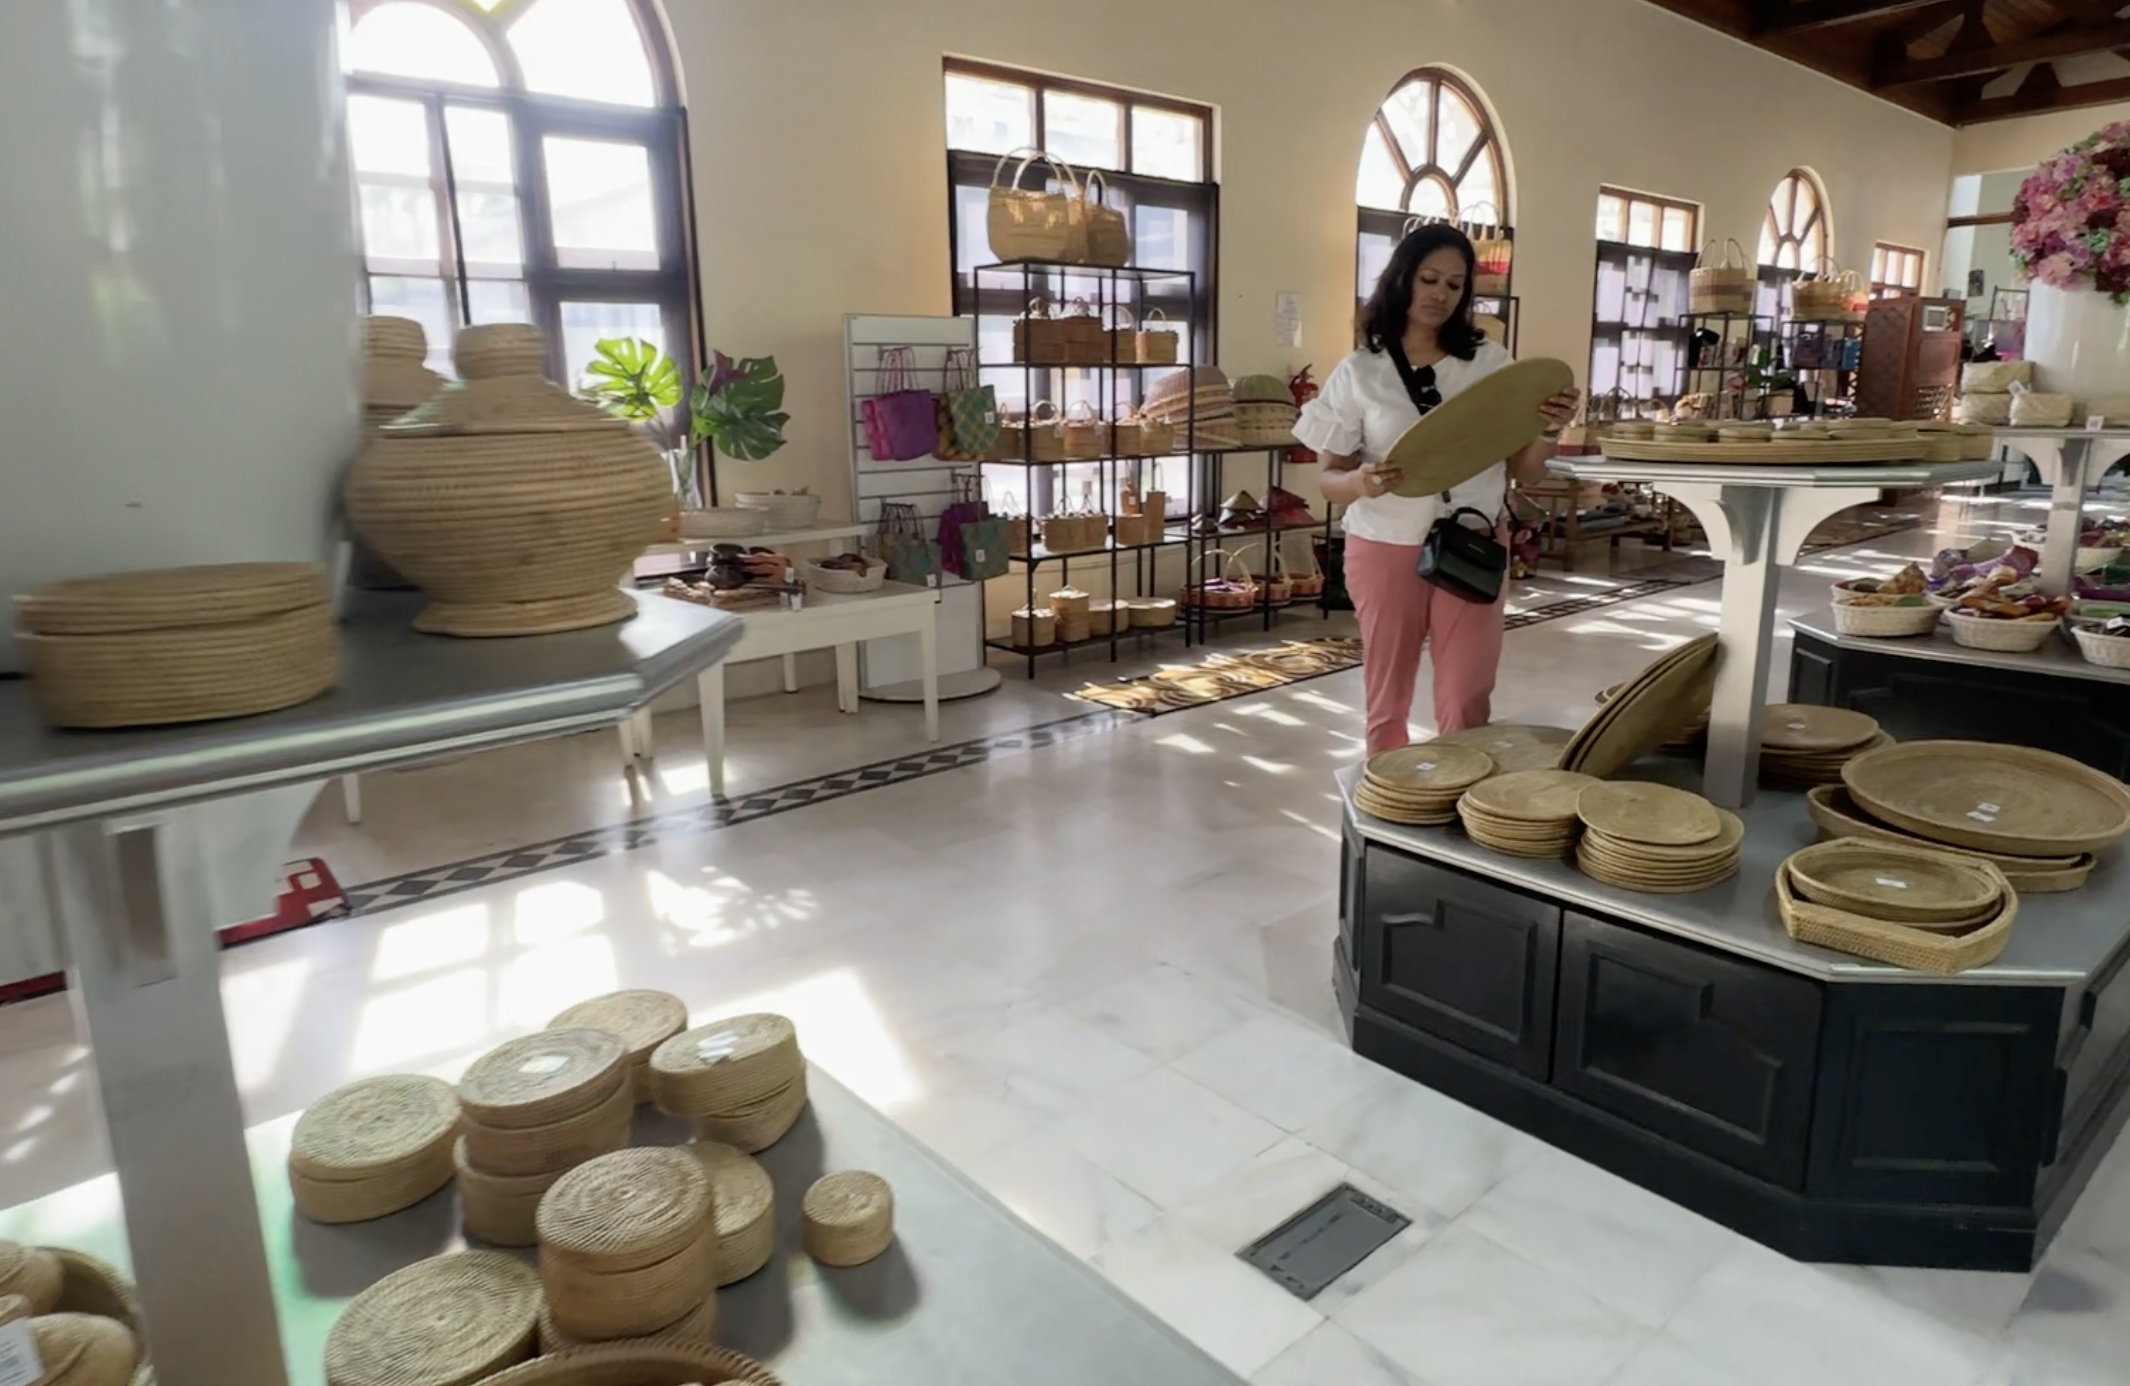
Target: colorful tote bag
{"points": [[900, 422], [901, 544], [972, 407]]}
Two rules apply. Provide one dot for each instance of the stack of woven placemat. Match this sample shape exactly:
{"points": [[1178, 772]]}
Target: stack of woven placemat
{"points": [[535, 1108], [373, 1148], [742, 1081], [628, 1245]]}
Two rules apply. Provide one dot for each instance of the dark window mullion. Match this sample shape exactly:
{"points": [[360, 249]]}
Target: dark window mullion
{"points": [[451, 243]]}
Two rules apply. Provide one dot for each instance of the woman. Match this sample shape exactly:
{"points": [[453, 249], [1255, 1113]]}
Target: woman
{"points": [[1422, 307]]}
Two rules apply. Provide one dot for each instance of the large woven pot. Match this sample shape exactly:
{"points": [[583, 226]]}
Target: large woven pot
{"points": [[394, 380], [517, 508]]}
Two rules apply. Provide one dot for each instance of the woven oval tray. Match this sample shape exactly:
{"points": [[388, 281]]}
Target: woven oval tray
{"points": [[1546, 797], [1838, 816], [1665, 700], [1776, 452], [1903, 885], [543, 1078], [1919, 950], [447, 1321], [848, 1218], [2006, 799], [374, 1128], [726, 1065], [1429, 770], [1492, 418], [1653, 813], [626, 1210], [1729, 839], [639, 1364]]}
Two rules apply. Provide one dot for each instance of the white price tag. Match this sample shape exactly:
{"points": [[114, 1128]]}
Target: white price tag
{"points": [[2096, 422], [979, 555], [1795, 726], [1891, 882], [1425, 766], [19, 1363], [716, 1048], [1980, 817], [543, 1065], [931, 579]]}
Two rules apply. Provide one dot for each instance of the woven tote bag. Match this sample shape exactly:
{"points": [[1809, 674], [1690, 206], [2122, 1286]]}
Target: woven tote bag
{"points": [[900, 421], [1036, 224], [1109, 236]]}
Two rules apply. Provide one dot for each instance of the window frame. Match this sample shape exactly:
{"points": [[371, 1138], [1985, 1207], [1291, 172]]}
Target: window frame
{"points": [[1042, 82], [1884, 254], [1622, 256], [660, 129], [1662, 204], [1489, 143], [1816, 232]]}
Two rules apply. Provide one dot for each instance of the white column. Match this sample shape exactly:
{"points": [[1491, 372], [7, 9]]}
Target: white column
{"points": [[178, 348]]}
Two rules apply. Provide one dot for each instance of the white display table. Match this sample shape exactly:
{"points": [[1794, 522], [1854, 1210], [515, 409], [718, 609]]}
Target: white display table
{"points": [[2070, 460], [153, 840], [1758, 518]]}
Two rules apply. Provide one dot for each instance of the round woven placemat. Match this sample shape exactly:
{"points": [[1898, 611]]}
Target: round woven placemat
{"points": [[698, 1328], [760, 1127], [1729, 838], [1806, 727], [161, 599], [626, 1210], [84, 1350], [726, 1065], [184, 674], [31, 1272], [849, 1218], [1513, 747], [374, 1128], [639, 1364], [447, 1321], [529, 1151], [1545, 797], [604, 1305], [1433, 767], [1652, 813], [746, 1209], [541, 1079]]}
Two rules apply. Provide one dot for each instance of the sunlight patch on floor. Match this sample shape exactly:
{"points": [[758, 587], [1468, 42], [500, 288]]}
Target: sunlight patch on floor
{"points": [[545, 913], [431, 941]]}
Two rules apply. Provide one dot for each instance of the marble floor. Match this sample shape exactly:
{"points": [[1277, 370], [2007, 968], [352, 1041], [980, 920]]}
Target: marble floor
{"points": [[1095, 977]]}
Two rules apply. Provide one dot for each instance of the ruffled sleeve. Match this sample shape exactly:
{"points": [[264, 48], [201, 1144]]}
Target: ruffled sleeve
{"points": [[1332, 422]]}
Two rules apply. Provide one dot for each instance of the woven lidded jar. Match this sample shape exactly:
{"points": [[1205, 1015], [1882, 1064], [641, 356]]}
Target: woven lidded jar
{"points": [[516, 507], [394, 378]]}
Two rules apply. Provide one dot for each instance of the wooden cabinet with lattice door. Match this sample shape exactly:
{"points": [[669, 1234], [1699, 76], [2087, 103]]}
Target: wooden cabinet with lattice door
{"points": [[1911, 359]]}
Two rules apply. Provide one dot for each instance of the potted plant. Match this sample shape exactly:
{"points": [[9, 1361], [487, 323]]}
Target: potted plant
{"points": [[738, 405], [635, 380]]}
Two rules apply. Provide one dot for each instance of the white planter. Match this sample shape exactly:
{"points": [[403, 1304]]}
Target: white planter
{"points": [[2079, 342], [180, 374]]}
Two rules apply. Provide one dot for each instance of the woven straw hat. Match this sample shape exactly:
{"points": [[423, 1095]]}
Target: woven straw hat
{"points": [[448, 1321], [542, 1078], [626, 1210], [31, 1272], [697, 1329], [639, 1364], [746, 1209], [642, 1020], [532, 1150], [726, 1066], [84, 1350], [849, 1218]]}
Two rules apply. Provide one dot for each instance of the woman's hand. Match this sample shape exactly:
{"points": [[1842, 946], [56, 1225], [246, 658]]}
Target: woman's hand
{"points": [[1378, 478], [1559, 411]]}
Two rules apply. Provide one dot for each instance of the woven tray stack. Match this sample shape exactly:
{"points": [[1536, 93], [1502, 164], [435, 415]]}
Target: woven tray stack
{"points": [[1656, 839], [628, 1246], [1525, 813], [1420, 785], [534, 1109], [373, 1148], [447, 1321], [1927, 911], [1804, 745], [641, 1020], [1199, 404], [741, 1081], [179, 644], [849, 1218]]}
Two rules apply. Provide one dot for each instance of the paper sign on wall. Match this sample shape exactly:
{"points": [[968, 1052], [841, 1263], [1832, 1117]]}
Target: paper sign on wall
{"points": [[1287, 319]]}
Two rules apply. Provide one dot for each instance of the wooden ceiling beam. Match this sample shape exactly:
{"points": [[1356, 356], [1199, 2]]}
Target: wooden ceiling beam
{"points": [[1782, 18], [2025, 103], [1811, 50], [1962, 62]]}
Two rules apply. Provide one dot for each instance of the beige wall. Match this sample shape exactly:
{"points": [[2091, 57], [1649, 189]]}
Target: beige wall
{"points": [[2010, 144], [820, 174]]}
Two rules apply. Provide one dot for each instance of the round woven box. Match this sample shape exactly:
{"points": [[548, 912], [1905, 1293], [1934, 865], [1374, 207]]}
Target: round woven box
{"points": [[639, 1364], [373, 1148], [757, 1128], [31, 1272], [496, 1208], [560, 1145], [626, 1210], [541, 1079], [697, 1329], [726, 1066], [746, 1209], [641, 1020], [84, 1350], [636, 1303], [849, 1218], [456, 493], [447, 1321], [179, 645]]}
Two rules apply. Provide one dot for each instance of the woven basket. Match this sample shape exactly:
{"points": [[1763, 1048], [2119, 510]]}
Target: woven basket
{"points": [[746, 1209], [1074, 533], [626, 1211], [501, 469], [1043, 339], [393, 376], [841, 581], [2004, 637], [1236, 590], [1886, 622], [91, 1286], [1726, 286], [726, 1065], [848, 1219], [1135, 530], [1309, 585], [1152, 613], [496, 1208], [1899, 945], [82, 1350], [727, 522], [758, 1125], [2033, 409], [638, 1364], [532, 1150], [1034, 630], [31, 1273], [1036, 224], [1994, 377], [1264, 424], [112, 652], [635, 1303], [2108, 651], [1109, 235], [698, 1328], [641, 1020], [538, 1079], [786, 511], [1278, 583], [1157, 345], [1086, 435]]}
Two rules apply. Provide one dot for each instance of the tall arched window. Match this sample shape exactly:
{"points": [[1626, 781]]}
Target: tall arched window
{"points": [[1794, 236], [521, 161], [1432, 151]]}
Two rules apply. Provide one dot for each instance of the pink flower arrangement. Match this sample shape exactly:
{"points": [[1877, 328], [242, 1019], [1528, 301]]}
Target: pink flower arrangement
{"points": [[2071, 219]]}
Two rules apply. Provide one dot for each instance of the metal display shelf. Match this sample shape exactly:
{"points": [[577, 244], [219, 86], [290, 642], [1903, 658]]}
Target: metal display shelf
{"points": [[1757, 519], [154, 839]]}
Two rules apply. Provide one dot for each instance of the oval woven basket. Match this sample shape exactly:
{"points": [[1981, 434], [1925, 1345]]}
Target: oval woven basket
{"points": [[516, 507], [2002, 637], [1898, 945], [843, 582], [1903, 885], [2108, 651], [88, 1285], [2011, 800]]}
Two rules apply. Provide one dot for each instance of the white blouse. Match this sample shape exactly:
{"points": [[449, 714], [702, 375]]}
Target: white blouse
{"points": [[1363, 409]]}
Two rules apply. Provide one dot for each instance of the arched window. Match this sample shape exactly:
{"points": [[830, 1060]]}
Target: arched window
{"points": [[521, 161], [1794, 236], [1432, 151]]}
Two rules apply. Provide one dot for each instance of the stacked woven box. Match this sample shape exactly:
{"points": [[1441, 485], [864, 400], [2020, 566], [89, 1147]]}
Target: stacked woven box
{"points": [[1986, 390], [1198, 402], [534, 1109], [447, 1321], [641, 1020], [741, 1081], [745, 1212], [628, 1245], [848, 1218], [373, 1148]]}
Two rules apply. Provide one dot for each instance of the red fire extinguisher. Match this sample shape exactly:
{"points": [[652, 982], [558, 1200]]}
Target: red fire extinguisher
{"points": [[1303, 389]]}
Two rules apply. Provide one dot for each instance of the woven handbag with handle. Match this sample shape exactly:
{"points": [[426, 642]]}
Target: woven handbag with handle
{"points": [[972, 407], [1721, 286], [910, 557], [1036, 224], [901, 422], [1109, 236], [1492, 250]]}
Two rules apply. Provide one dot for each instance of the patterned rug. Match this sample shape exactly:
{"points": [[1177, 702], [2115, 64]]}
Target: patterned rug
{"points": [[1223, 676]]}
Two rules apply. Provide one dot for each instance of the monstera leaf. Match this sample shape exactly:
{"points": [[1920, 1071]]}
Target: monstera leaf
{"points": [[738, 406], [632, 379]]}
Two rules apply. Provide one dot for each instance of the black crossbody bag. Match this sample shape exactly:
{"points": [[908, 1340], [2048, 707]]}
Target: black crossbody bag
{"points": [[1467, 563]]}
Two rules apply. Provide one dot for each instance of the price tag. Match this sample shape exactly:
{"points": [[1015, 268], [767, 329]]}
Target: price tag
{"points": [[19, 1363], [2096, 422], [713, 1049], [931, 579], [538, 1067], [1795, 726], [1891, 882], [1425, 766], [979, 555]]}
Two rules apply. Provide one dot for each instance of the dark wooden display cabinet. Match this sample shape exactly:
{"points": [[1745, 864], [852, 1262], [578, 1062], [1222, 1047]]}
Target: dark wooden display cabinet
{"points": [[1897, 1123]]}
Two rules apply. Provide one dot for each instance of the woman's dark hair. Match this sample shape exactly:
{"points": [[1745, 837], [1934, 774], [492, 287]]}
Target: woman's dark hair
{"points": [[1384, 319]]}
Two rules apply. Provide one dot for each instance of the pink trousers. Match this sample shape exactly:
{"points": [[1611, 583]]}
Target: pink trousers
{"points": [[1400, 616]]}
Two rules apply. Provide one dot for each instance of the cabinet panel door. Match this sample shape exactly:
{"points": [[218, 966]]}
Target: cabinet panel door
{"points": [[1460, 958], [1713, 1052]]}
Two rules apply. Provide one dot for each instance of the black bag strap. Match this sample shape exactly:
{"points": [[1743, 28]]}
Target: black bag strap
{"points": [[1423, 393]]}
